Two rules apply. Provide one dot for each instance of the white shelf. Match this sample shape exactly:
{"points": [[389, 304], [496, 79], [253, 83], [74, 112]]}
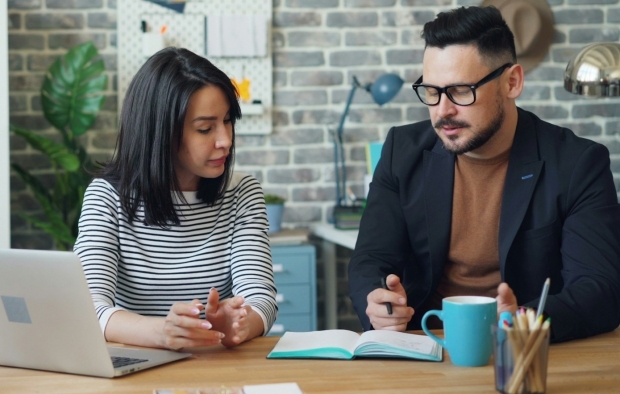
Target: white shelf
{"points": [[346, 238]]}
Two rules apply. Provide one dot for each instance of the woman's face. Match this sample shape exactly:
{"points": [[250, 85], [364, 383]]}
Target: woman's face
{"points": [[207, 138]]}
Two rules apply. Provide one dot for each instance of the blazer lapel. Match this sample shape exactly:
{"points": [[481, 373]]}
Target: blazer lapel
{"points": [[438, 186], [523, 171]]}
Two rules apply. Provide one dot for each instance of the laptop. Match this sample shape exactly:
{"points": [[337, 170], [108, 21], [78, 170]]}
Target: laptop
{"points": [[48, 320]]}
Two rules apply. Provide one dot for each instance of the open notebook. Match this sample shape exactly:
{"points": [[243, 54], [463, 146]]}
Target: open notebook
{"points": [[346, 345], [48, 320]]}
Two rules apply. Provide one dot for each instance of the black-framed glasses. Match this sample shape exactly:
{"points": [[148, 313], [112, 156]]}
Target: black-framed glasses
{"points": [[463, 95]]}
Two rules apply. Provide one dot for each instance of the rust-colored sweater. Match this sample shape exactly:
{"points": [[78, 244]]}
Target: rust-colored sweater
{"points": [[473, 259]]}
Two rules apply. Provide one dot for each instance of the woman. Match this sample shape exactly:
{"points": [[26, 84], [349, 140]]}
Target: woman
{"points": [[173, 244]]}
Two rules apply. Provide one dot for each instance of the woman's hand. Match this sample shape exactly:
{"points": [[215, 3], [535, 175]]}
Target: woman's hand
{"points": [[232, 318], [183, 327]]}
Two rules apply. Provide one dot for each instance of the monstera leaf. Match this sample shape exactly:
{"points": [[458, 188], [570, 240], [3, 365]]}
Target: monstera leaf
{"points": [[71, 97], [54, 225], [59, 154], [71, 94]]}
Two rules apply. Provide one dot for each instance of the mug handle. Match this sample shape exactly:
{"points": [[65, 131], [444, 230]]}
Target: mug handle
{"points": [[439, 314]]}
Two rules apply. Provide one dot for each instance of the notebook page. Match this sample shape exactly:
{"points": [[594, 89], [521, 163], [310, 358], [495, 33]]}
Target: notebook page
{"points": [[410, 342], [304, 341]]}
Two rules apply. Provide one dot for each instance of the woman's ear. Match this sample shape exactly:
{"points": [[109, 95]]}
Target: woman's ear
{"points": [[514, 84]]}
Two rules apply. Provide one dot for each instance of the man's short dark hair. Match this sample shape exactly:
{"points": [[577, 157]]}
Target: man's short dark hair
{"points": [[483, 27]]}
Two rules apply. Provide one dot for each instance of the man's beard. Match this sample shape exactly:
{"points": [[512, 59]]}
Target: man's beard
{"points": [[479, 138]]}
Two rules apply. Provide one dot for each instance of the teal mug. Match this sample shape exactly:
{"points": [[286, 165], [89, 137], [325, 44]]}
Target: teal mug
{"points": [[467, 322]]}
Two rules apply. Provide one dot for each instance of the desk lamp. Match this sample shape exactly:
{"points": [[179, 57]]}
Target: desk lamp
{"points": [[382, 91], [594, 71]]}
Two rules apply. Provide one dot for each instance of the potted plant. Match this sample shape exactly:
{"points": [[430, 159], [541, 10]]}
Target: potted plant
{"points": [[275, 209], [71, 96]]}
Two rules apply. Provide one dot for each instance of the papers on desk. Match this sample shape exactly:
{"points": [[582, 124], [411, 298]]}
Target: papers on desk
{"points": [[202, 390], [277, 388]]}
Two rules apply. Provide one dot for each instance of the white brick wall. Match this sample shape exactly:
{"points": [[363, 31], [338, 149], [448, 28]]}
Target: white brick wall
{"points": [[318, 46]]}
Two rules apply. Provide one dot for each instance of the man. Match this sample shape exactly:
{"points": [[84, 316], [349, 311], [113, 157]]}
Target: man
{"points": [[485, 198]]}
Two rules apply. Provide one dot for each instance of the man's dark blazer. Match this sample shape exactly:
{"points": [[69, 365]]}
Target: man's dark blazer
{"points": [[560, 219]]}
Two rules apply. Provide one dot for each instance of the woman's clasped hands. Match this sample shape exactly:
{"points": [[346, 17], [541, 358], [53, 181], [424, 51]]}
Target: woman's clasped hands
{"points": [[225, 322]]}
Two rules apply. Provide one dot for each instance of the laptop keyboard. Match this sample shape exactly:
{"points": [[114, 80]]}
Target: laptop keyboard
{"points": [[124, 361]]}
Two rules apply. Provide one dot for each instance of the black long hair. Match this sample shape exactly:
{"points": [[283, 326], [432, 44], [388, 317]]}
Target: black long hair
{"points": [[483, 27], [151, 130]]}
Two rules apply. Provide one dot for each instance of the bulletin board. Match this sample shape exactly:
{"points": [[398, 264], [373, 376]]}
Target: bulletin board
{"points": [[189, 30]]}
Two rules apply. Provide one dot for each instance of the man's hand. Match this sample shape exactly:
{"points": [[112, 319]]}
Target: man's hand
{"points": [[377, 310], [184, 328], [506, 300], [230, 317]]}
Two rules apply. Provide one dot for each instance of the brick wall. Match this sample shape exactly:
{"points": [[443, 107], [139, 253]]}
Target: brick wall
{"points": [[40, 31], [318, 46]]}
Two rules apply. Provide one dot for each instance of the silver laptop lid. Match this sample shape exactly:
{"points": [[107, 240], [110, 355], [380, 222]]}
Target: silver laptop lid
{"points": [[47, 317]]}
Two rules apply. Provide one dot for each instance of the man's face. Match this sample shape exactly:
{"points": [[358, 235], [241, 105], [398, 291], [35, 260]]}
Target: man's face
{"points": [[463, 129]]}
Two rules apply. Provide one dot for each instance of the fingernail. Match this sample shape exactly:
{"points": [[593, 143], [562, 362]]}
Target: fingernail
{"points": [[206, 325], [222, 335], [199, 306], [401, 301], [195, 311]]}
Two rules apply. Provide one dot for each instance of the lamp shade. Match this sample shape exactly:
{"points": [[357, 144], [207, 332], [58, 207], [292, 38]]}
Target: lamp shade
{"points": [[595, 71], [385, 88], [382, 90]]}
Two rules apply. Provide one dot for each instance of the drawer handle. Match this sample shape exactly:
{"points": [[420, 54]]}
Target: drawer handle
{"points": [[279, 298], [278, 268], [277, 328]]}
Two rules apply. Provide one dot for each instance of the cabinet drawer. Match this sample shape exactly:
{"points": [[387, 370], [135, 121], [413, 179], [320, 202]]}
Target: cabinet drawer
{"points": [[291, 323], [293, 299], [291, 267]]}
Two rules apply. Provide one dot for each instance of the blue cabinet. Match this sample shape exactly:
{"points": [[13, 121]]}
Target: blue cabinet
{"points": [[294, 269]]}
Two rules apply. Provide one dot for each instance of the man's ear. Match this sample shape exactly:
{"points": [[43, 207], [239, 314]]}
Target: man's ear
{"points": [[514, 81]]}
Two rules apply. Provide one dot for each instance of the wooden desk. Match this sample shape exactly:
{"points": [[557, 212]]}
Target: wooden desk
{"points": [[582, 366]]}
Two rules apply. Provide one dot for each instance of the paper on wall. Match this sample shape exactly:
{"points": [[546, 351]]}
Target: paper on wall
{"points": [[237, 35]]}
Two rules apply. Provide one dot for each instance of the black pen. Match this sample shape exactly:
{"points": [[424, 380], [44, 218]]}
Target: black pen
{"points": [[387, 304]]}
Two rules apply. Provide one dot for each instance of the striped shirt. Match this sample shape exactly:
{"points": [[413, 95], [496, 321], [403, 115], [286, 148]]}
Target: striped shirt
{"points": [[145, 269]]}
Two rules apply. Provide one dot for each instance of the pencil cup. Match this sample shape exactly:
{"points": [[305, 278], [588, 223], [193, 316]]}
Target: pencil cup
{"points": [[520, 359]]}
